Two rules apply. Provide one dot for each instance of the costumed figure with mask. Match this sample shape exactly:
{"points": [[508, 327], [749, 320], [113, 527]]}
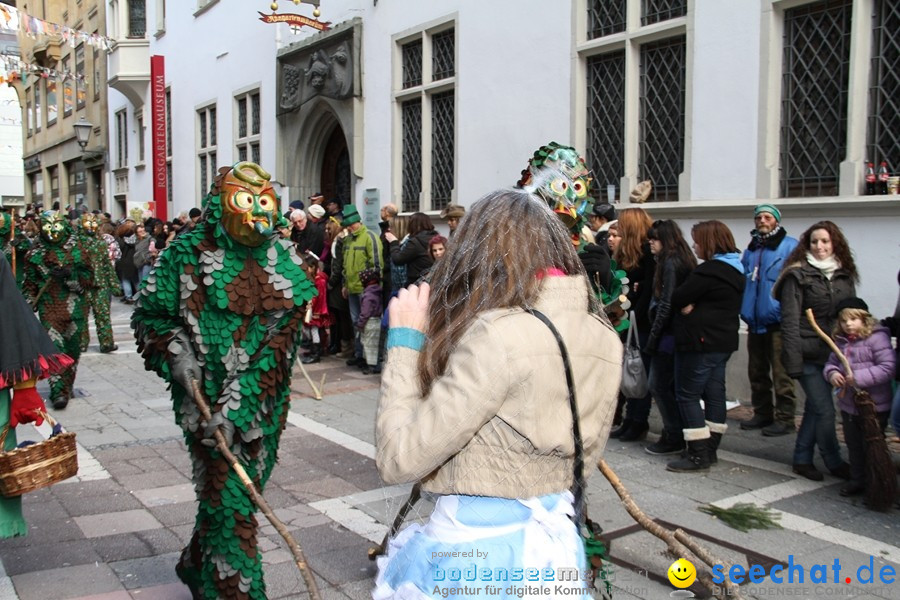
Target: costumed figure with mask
{"points": [[59, 275], [558, 174], [223, 307], [26, 355], [105, 282], [10, 239]]}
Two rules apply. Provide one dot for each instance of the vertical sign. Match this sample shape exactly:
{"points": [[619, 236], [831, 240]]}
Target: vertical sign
{"points": [[371, 212], [158, 139]]}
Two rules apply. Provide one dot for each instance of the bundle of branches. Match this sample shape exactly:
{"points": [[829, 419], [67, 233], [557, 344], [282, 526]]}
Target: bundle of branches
{"points": [[744, 516], [881, 476]]}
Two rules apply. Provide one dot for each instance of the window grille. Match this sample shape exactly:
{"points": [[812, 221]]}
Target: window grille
{"points": [[206, 150], [412, 64], [605, 150], [242, 117], [655, 11], [121, 139], [814, 97], [884, 88], [442, 119], [412, 154], [254, 114], [662, 83], [605, 17], [79, 79], [137, 18], [443, 56]]}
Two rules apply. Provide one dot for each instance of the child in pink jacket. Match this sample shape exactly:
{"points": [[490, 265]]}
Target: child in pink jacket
{"points": [[867, 347]]}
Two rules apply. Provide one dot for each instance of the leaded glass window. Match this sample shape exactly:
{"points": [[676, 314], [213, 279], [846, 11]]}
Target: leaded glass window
{"points": [[412, 154], [605, 17], [605, 152], [137, 18], [442, 119], [247, 126], [884, 87], [662, 84], [443, 55], [412, 64], [654, 11], [815, 78]]}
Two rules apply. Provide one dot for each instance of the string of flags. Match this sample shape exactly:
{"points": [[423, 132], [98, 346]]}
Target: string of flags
{"points": [[12, 19], [13, 68]]}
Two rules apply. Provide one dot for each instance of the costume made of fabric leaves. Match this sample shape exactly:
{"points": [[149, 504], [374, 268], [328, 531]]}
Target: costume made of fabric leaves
{"points": [[559, 175], [19, 241], [26, 354], [58, 276], [224, 306], [105, 281]]}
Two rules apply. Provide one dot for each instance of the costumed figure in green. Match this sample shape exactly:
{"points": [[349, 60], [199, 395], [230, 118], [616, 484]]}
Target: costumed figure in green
{"points": [[13, 239], [559, 175], [59, 275], [26, 355], [223, 307], [105, 282]]}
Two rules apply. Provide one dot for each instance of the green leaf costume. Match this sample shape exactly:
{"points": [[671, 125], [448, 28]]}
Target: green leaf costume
{"points": [[58, 276], [105, 282], [224, 305]]}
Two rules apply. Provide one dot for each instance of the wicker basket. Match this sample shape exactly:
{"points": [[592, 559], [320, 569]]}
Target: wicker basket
{"points": [[38, 465]]}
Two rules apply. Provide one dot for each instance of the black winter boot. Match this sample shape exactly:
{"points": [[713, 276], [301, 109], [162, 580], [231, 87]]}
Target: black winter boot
{"points": [[667, 444], [697, 459], [637, 431], [314, 356], [622, 428], [714, 440]]}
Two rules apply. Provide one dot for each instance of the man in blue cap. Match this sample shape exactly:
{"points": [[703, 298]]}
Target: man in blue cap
{"points": [[763, 261]]}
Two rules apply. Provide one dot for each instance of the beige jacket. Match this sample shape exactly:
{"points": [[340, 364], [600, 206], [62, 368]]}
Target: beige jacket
{"points": [[498, 423]]}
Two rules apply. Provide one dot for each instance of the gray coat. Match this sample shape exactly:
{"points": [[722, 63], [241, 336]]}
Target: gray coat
{"points": [[803, 286]]}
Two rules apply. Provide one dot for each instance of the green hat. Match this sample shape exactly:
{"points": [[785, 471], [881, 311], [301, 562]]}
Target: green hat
{"points": [[351, 215], [769, 208]]}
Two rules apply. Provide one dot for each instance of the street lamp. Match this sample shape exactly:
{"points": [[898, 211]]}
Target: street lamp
{"points": [[83, 130]]}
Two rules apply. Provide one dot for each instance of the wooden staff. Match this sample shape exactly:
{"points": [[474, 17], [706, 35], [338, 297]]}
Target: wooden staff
{"points": [[258, 500], [881, 477], [414, 495], [12, 243], [679, 543]]}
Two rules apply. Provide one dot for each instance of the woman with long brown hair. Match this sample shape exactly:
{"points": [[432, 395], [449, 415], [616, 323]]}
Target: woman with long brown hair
{"points": [[634, 257], [475, 402], [818, 274], [125, 268], [706, 310]]}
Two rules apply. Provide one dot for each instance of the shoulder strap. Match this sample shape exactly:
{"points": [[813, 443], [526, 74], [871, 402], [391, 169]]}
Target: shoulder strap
{"points": [[579, 484]]}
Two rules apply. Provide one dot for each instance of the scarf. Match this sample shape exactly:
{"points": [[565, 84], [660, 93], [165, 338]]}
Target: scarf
{"points": [[759, 239], [732, 259], [827, 265]]}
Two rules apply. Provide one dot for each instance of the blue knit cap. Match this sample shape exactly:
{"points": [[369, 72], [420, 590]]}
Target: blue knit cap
{"points": [[769, 208]]}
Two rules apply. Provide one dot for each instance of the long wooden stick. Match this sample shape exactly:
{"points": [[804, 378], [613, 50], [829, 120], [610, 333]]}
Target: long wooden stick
{"points": [[12, 242], [827, 339], [679, 543], [317, 391], [258, 500], [414, 495]]}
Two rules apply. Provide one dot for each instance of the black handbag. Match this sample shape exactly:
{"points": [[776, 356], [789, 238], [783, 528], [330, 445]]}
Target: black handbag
{"points": [[595, 548]]}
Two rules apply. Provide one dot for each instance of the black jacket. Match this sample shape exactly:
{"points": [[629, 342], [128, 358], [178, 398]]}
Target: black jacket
{"points": [[716, 289], [674, 273], [311, 238], [414, 255], [640, 287], [803, 286]]}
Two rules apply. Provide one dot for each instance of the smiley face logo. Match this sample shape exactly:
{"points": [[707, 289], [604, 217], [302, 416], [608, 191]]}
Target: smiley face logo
{"points": [[682, 573]]}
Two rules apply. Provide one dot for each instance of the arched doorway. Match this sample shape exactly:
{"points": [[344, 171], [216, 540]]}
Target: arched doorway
{"points": [[335, 176]]}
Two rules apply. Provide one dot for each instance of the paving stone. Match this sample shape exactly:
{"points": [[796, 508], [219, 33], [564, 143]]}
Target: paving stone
{"points": [[344, 565], [320, 489], [172, 591], [152, 480], [119, 595], [66, 583], [161, 541], [167, 495], [147, 572], [120, 547], [176, 514], [125, 453], [325, 538], [48, 555], [78, 506], [103, 487], [45, 531], [117, 522]]}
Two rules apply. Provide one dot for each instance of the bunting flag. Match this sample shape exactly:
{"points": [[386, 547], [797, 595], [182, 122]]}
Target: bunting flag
{"points": [[12, 19], [13, 68]]}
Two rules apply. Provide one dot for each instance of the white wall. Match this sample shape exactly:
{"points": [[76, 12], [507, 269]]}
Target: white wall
{"points": [[725, 91], [12, 178]]}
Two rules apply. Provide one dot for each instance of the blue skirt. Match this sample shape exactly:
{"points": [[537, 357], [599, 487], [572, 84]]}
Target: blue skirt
{"points": [[488, 548]]}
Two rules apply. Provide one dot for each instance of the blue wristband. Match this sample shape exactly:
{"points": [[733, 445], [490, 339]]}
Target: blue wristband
{"points": [[405, 337]]}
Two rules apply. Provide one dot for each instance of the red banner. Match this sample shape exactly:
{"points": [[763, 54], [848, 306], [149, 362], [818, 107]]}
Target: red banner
{"points": [[295, 20], [158, 138]]}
